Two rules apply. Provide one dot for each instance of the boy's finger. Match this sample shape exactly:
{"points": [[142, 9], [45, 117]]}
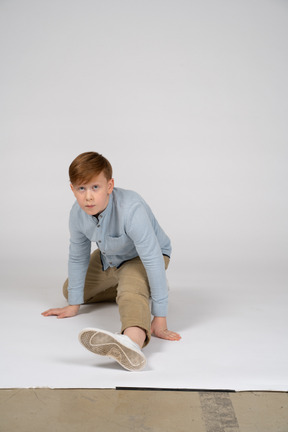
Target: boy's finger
{"points": [[46, 313], [51, 312], [172, 336]]}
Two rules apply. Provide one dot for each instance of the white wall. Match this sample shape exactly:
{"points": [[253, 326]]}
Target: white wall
{"points": [[187, 99]]}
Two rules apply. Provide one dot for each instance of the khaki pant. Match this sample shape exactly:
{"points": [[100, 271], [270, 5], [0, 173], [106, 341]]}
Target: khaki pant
{"points": [[127, 285]]}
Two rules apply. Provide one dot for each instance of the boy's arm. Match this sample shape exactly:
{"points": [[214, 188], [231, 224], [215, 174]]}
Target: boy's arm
{"points": [[141, 231], [79, 256]]}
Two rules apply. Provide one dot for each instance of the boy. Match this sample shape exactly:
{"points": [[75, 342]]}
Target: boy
{"points": [[128, 266]]}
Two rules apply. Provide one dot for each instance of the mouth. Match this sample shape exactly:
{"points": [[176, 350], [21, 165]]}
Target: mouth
{"points": [[89, 206]]}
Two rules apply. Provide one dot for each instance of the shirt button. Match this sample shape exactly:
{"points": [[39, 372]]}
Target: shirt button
{"points": [[99, 241], [104, 253], [110, 263], [98, 226]]}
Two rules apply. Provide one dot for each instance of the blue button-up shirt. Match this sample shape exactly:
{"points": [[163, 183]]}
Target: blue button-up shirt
{"points": [[126, 229]]}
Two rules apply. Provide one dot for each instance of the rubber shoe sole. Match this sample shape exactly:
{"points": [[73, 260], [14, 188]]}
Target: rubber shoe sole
{"points": [[118, 347]]}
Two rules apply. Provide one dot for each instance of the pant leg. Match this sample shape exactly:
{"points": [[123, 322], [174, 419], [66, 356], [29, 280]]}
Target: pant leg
{"points": [[100, 286], [133, 296]]}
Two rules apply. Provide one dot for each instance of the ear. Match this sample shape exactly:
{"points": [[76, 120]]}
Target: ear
{"points": [[72, 188], [110, 186]]}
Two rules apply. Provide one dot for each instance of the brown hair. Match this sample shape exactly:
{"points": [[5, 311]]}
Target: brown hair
{"points": [[87, 165]]}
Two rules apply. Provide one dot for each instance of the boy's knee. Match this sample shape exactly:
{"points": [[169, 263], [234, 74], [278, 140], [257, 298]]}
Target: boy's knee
{"points": [[65, 289], [133, 297]]}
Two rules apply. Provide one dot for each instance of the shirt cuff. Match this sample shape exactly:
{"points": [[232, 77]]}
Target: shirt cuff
{"points": [[159, 309]]}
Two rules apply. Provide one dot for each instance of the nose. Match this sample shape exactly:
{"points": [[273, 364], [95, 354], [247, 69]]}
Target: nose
{"points": [[88, 195]]}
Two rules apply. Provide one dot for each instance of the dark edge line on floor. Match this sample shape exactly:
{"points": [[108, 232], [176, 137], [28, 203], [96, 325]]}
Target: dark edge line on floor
{"points": [[173, 389]]}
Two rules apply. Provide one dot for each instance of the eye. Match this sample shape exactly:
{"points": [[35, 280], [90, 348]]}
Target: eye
{"points": [[95, 187], [81, 189]]}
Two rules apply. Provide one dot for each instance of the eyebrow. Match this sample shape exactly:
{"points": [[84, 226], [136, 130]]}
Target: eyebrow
{"points": [[86, 184]]}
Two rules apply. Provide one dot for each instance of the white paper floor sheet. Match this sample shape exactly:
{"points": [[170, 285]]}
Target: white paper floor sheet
{"points": [[233, 338]]}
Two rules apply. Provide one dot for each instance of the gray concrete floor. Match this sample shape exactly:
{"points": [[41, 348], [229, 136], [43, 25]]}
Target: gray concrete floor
{"points": [[28, 410]]}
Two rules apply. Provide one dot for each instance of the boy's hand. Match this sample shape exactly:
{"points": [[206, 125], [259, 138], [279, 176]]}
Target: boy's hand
{"points": [[65, 312], [159, 329]]}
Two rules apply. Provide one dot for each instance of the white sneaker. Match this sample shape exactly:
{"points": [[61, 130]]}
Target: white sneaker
{"points": [[117, 346]]}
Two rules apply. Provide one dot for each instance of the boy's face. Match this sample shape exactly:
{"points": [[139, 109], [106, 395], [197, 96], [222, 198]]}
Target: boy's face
{"points": [[93, 197]]}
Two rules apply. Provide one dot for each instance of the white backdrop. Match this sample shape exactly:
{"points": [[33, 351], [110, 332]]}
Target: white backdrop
{"points": [[187, 99]]}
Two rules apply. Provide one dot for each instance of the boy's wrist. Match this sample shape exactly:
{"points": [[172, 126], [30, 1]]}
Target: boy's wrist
{"points": [[160, 320]]}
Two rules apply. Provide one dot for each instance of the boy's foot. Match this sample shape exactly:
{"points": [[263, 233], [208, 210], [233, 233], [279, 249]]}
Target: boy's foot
{"points": [[117, 346]]}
